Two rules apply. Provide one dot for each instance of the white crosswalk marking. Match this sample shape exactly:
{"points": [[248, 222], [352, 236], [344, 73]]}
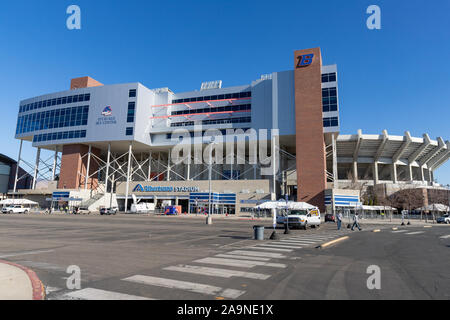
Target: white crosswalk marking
{"points": [[239, 263], [187, 286], [231, 256], [413, 233], [274, 245], [445, 237], [96, 294], [270, 249], [223, 273], [258, 254], [399, 231], [300, 241]]}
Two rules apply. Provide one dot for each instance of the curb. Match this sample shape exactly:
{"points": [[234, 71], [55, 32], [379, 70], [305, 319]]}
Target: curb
{"points": [[38, 287], [329, 243]]}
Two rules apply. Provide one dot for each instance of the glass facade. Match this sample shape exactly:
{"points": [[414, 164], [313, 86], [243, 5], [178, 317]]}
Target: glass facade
{"points": [[55, 102], [59, 118], [242, 107], [216, 121], [54, 136], [237, 95]]}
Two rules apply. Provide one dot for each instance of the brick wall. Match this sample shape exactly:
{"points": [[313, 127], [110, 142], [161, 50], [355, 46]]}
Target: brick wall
{"points": [[310, 145]]}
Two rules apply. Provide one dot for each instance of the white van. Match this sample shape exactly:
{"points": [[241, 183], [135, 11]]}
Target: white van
{"points": [[301, 218]]}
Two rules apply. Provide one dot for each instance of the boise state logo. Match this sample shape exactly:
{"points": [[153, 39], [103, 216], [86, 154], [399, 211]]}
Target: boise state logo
{"points": [[138, 188], [107, 111]]}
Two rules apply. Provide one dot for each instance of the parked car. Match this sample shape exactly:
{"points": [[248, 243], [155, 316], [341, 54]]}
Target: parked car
{"points": [[14, 209], [444, 219], [108, 211], [301, 219], [330, 217]]}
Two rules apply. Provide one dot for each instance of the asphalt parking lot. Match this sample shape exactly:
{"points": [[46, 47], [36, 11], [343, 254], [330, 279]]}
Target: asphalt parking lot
{"points": [[147, 257]]}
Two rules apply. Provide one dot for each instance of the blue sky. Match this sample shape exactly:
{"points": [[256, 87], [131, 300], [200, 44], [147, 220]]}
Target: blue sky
{"points": [[396, 78]]}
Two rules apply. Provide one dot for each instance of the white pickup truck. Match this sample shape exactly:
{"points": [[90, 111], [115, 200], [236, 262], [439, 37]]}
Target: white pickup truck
{"points": [[14, 209], [301, 218]]}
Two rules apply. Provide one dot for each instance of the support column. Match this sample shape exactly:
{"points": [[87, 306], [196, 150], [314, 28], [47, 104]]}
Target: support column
{"points": [[159, 164], [394, 173], [19, 158], [355, 171], [376, 179], [430, 174], [168, 166], [188, 167], [335, 166], [88, 168], [108, 160], [274, 186], [36, 167], [150, 157], [422, 176], [127, 189], [55, 161], [410, 173]]}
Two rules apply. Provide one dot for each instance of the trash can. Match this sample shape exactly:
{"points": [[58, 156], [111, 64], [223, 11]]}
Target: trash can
{"points": [[259, 232]]}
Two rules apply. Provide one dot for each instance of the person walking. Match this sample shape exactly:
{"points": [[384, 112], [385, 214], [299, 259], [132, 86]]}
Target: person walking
{"points": [[356, 222], [339, 218]]}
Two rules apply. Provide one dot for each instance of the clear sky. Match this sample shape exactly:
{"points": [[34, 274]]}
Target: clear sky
{"points": [[396, 78]]}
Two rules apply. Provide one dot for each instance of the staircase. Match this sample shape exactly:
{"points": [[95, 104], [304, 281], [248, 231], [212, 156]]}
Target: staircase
{"points": [[91, 201]]}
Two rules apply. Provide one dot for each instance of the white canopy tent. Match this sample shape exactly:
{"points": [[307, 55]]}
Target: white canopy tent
{"points": [[437, 207], [18, 202], [282, 205]]}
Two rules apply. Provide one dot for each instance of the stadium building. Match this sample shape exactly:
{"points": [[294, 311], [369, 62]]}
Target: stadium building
{"points": [[111, 142]]}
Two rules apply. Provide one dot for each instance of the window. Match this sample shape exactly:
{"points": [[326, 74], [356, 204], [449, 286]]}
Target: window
{"points": [[329, 99], [329, 77], [132, 93], [330, 122], [129, 131], [131, 111]]}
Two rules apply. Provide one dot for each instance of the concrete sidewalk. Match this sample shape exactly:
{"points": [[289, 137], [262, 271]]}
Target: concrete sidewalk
{"points": [[19, 283]]}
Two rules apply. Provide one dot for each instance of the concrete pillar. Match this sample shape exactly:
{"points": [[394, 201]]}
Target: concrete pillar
{"points": [[376, 179], [335, 166], [394, 173], [19, 158], [188, 168], [88, 168], [108, 160], [36, 167], [355, 171], [168, 166], [422, 176], [55, 162], [130, 150], [150, 157], [410, 173]]}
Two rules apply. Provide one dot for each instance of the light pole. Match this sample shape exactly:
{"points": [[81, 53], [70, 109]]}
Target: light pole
{"points": [[209, 218], [286, 228]]}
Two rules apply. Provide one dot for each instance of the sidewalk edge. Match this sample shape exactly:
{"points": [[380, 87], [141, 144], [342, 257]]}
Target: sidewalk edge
{"points": [[36, 283]]}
